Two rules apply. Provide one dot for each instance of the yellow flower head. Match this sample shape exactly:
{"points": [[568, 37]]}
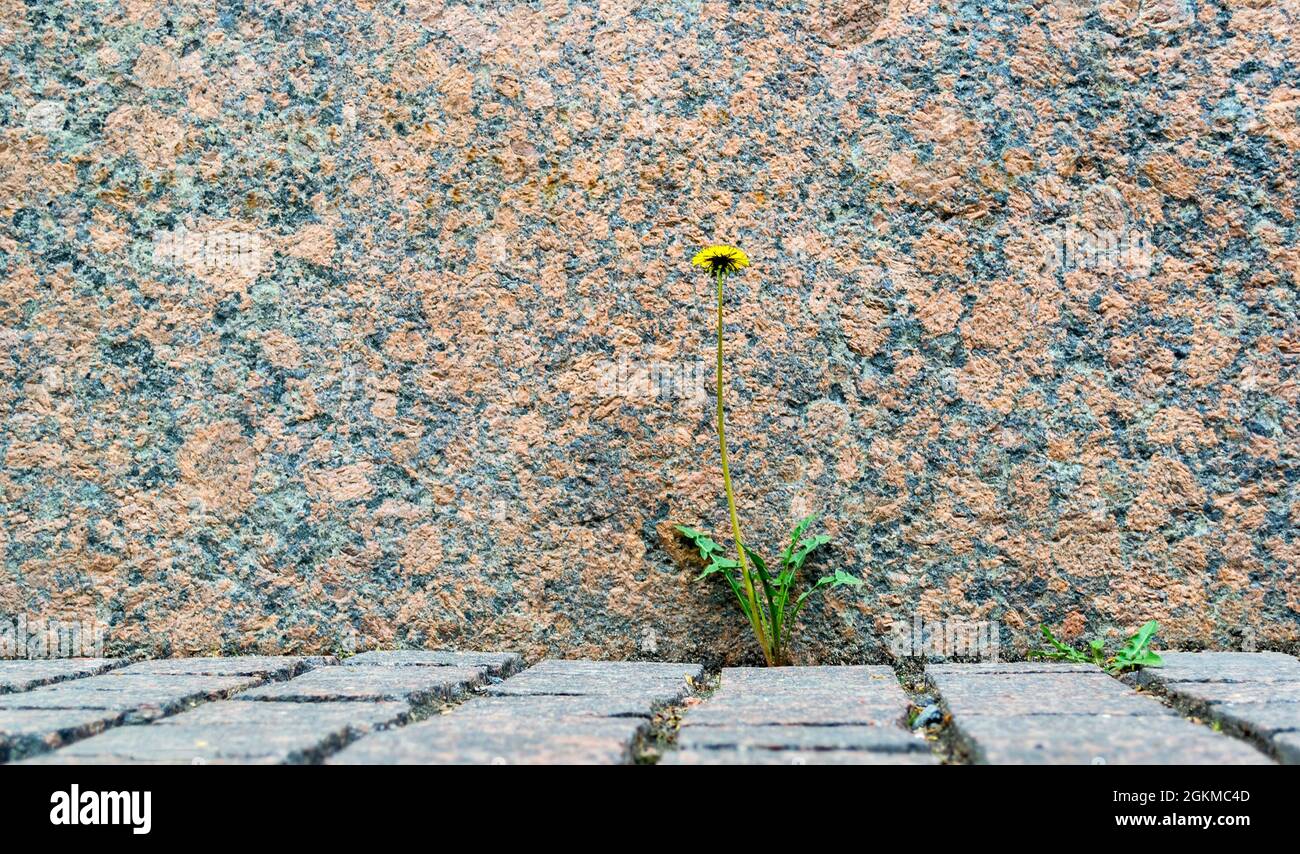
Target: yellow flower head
{"points": [[721, 260]]}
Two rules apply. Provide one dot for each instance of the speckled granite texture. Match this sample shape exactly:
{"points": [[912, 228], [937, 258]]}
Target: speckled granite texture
{"points": [[384, 422]]}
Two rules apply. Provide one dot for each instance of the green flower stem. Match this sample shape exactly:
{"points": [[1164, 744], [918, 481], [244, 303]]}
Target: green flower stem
{"points": [[755, 618]]}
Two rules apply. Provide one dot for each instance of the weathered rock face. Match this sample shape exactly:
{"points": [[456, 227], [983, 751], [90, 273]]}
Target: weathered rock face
{"points": [[373, 322]]}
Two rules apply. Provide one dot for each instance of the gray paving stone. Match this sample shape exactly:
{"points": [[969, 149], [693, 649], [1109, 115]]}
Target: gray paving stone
{"points": [[1067, 693], [795, 757], [1253, 694], [565, 712], [464, 740], [53, 715], [500, 663], [1225, 667], [559, 708], [231, 731], [643, 682], [25, 674], [797, 715], [796, 737], [27, 732], [1095, 740], [1238, 692], [373, 683], [274, 666], [1010, 667], [144, 696], [1265, 719], [1074, 717], [807, 708], [816, 678]]}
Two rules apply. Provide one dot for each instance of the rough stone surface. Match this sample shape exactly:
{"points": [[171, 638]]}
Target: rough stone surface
{"points": [[795, 712], [1256, 695], [1073, 717], [397, 415], [25, 675], [570, 712]]}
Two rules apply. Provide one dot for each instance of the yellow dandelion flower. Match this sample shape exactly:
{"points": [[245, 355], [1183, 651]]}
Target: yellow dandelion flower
{"points": [[721, 260]]}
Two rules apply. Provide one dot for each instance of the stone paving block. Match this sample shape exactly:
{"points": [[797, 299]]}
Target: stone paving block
{"points": [[1253, 694], [231, 731], [373, 683], [795, 757], [500, 663], [1238, 692], [797, 737], [1073, 717], [455, 740], [568, 712], [25, 674], [1225, 667], [145, 696], [815, 678], [798, 715], [1095, 740], [1010, 667], [47, 717], [1265, 719], [558, 708], [27, 732], [646, 682], [271, 666], [1068, 693]]}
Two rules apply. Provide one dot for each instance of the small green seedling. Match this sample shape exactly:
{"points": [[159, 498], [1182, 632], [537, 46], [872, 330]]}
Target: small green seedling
{"points": [[1133, 655], [775, 610]]}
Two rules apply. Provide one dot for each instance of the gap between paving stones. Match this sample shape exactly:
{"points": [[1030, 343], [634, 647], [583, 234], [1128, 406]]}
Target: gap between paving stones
{"points": [[911, 675], [660, 737]]}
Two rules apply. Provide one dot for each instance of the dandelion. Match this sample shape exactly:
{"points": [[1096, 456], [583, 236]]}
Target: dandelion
{"points": [[721, 260], [768, 622]]}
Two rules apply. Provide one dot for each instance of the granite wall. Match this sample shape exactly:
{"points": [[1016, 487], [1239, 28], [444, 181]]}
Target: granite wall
{"points": [[334, 324]]}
